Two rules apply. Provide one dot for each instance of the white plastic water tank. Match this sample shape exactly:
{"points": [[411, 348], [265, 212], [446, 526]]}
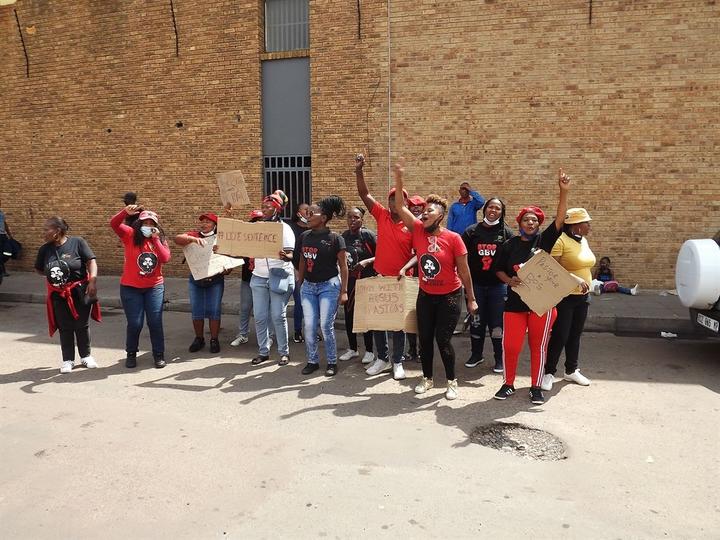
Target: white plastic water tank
{"points": [[697, 273]]}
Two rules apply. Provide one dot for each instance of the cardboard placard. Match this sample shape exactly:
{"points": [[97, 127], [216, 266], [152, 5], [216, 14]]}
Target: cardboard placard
{"points": [[232, 188], [544, 282], [244, 239], [385, 303], [204, 263]]}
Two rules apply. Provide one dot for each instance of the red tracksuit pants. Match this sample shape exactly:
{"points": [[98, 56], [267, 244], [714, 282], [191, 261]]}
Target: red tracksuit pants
{"points": [[515, 325]]}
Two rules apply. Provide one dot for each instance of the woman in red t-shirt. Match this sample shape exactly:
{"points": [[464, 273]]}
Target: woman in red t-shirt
{"points": [[142, 286], [443, 271]]}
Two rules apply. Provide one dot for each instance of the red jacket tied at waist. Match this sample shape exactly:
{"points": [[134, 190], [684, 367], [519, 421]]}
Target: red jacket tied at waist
{"points": [[66, 293]]}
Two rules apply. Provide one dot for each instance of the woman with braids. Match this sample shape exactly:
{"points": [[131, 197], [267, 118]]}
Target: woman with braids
{"points": [[443, 272], [323, 258], [518, 319], [483, 241], [142, 286], [69, 266], [272, 285], [360, 246]]}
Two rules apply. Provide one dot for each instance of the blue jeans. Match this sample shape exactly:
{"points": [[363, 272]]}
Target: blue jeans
{"points": [[270, 311], [206, 302], [491, 304], [246, 307], [320, 305], [138, 303], [297, 311]]}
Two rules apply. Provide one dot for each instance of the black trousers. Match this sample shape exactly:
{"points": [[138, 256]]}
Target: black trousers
{"points": [[349, 309], [437, 316], [571, 314], [71, 329]]}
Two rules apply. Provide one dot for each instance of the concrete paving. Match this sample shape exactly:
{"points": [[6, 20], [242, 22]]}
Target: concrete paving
{"points": [[212, 447], [650, 312]]}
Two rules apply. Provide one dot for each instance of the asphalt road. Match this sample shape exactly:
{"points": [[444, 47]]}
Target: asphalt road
{"points": [[212, 447]]}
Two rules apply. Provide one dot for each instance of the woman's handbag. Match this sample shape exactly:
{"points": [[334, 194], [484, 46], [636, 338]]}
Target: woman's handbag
{"points": [[279, 280]]}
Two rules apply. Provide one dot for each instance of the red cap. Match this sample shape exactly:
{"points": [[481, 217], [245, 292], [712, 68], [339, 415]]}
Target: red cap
{"points": [[209, 215], [416, 200], [532, 210], [392, 192]]}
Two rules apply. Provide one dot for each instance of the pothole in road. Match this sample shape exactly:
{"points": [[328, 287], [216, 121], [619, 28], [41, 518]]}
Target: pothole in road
{"points": [[520, 440]]}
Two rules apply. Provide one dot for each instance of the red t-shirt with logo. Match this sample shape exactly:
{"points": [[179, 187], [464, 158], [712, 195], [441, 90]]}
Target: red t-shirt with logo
{"points": [[143, 264], [436, 259], [394, 242]]}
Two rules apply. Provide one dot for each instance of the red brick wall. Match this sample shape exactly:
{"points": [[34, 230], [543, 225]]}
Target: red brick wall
{"points": [[502, 93]]}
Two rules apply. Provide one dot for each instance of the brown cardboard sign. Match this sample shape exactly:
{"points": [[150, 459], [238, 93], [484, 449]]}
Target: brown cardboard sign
{"points": [[544, 283], [385, 303], [203, 263], [244, 239], [232, 188]]}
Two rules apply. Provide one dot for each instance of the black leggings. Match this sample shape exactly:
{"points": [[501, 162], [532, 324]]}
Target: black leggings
{"points": [[70, 328], [349, 308], [571, 314], [437, 316]]}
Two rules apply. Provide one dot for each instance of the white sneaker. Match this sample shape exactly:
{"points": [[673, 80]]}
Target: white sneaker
{"points": [[398, 371], [89, 362], [67, 366], [577, 378], [378, 367], [368, 358], [241, 339], [634, 290], [452, 390], [347, 355], [424, 385], [547, 382]]}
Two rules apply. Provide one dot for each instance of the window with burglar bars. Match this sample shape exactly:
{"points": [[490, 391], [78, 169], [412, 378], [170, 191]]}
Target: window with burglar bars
{"points": [[286, 25], [292, 174]]}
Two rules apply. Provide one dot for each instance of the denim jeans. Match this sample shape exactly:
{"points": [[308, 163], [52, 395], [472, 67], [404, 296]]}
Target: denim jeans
{"points": [[206, 302], [491, 305], [246, 307], [398, 345], [270, 311], [297, 311], [320, 305], [138, 303]]}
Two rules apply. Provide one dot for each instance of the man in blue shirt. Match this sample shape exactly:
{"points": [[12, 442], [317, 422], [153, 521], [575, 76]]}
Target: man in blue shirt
{"points": [[463, 212]]}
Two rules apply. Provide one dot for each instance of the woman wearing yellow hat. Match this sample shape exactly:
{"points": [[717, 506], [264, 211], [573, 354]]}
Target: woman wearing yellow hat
{"points": [[573, 252]]}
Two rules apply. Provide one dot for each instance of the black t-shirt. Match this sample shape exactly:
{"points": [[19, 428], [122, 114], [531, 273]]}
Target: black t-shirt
{"points": [[483, 245], [298, 231], [515, 252], [360, 246], [320, 249], [65, 263]]}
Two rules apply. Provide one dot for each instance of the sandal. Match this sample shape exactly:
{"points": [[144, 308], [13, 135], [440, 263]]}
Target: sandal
{"points": [[284, 360], [259, 360]]}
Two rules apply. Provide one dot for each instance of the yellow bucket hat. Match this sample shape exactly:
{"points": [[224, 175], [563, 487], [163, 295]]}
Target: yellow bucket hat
{"points": [[577, 215]]}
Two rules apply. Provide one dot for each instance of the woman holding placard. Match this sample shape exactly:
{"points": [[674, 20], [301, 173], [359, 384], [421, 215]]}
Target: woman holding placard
{"points": [[443, 271], [518, 319], [205, 294], [272, 285], [323, 278]]}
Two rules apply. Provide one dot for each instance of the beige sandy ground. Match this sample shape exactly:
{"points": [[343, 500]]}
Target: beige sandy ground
{"points": [[211, 447]]}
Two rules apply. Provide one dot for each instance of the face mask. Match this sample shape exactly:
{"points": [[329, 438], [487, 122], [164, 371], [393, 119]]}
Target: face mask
{"points": [[434, 227], [206, 234], [146, 231], [491, 223], [303, 219]]}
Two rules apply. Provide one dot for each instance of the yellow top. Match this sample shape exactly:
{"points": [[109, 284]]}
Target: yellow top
{"points": [[575, 257]]}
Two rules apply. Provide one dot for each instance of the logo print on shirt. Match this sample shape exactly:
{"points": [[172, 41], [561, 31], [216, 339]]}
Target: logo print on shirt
{"points": [[310, 254], [430, 266], [58, 273], [147, 262], [487, 252]]}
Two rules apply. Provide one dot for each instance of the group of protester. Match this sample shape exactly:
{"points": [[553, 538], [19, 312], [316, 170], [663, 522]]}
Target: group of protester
{"points": [[466, 261]]}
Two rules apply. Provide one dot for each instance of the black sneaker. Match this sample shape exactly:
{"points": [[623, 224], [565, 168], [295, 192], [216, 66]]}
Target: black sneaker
{"points": [[159, 362], [131, 360], [310, 368], [259, 359], [506, 390], [331, 370], [197, 344], [298, 337], [498, 366], [536, 396], [474, 361], [214, 346]]}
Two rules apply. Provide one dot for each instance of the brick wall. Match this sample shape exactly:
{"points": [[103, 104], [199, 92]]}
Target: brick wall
{"points": [[502, 93]]}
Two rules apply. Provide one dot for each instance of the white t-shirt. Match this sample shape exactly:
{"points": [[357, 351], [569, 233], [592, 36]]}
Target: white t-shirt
{"points": [[262, 265]]}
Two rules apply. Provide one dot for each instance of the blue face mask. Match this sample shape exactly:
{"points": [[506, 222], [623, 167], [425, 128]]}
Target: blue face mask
{"points": [[146, 231]]}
